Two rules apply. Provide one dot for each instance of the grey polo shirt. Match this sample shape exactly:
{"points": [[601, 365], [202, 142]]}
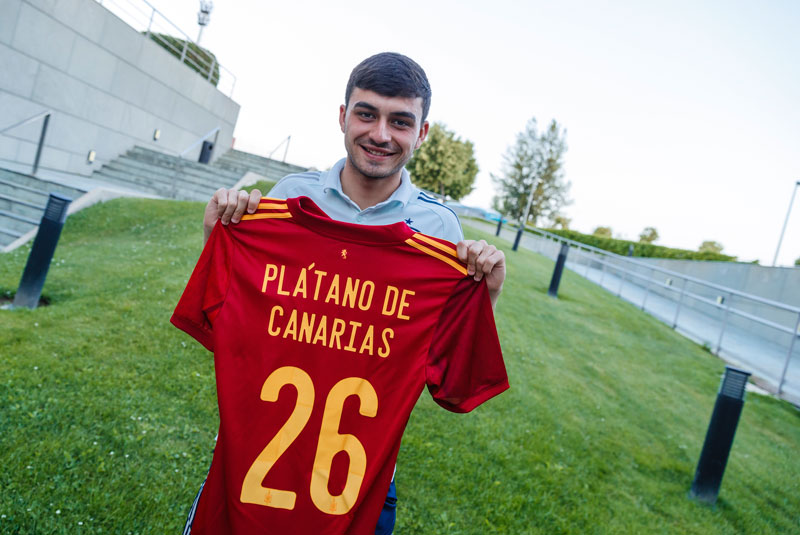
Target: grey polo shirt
{"points": [[408, 203]]}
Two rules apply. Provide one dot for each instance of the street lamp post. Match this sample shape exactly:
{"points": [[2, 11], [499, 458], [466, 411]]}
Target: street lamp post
{"points": [[524, 218], [785, 221], [203, 16]]}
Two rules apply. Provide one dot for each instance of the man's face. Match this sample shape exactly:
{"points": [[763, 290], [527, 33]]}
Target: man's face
{"points": [[381, 133]]}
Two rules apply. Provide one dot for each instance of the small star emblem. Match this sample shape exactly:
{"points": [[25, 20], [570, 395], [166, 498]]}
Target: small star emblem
{"points": [[344, 254], [409, 221]]}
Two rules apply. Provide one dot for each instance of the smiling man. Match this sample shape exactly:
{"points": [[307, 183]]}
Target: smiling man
{"points": [[384, 120]]}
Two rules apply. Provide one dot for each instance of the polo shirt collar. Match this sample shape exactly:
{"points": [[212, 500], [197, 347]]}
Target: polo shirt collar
{"points": [[403, 194]]}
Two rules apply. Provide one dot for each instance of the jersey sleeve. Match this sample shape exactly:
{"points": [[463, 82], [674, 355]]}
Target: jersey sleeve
{"points": [[205, 293], [465, 364]]}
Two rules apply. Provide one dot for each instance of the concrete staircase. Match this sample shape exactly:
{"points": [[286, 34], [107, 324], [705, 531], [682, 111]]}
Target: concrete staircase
{"points": [[22, 202], [172, 177], [139, 171], [243, 162]]}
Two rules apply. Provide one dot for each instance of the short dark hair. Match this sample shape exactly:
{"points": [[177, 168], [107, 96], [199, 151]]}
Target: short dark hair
{"points": [[391, 74]]}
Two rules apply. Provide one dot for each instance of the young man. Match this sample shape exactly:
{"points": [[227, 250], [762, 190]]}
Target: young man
{"points": [[384, 121]]}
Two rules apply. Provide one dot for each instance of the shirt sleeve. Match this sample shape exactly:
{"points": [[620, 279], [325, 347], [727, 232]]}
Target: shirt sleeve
{"points": [[205, 293], [465, 364]]}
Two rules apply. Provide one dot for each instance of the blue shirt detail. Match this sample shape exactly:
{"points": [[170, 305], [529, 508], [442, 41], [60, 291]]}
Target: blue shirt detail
{"points": [[407, 203]]}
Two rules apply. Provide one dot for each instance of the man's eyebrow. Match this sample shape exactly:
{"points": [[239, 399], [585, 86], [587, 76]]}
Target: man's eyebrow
{"points": [[362, 104]]}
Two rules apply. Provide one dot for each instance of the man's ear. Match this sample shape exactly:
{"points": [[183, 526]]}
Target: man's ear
{"points": [[423, 133], [342, 113]]}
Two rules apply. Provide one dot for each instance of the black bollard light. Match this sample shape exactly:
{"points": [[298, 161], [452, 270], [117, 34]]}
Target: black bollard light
{"points": [[517, 239], [205, 152], [32, 282], [499, 225], [560, 261], [719, 437]]}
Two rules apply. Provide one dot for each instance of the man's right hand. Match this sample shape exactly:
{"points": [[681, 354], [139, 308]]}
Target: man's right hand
{"points": [[228, 206]]}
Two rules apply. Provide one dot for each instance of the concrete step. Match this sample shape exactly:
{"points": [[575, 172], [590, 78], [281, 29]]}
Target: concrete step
{"points": [[166, 160], [17, 224], [22, 208], [210, 178], [174, 190], [39, 184], [151, 175], [23, 193], [7, 236]]}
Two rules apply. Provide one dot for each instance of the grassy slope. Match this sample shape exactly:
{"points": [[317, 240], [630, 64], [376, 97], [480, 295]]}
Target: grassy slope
{"points": [[600, 432]]}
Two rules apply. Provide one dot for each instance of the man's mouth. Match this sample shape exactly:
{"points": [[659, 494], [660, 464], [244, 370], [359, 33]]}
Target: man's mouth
{"points": [[377, 152]]}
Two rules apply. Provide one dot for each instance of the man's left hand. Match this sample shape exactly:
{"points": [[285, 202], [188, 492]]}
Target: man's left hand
{"points": [[484, 260]]}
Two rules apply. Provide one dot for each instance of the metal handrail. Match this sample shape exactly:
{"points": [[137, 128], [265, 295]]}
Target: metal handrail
{"points": [[147, 26], [200, 140], [46, 114], [623, 264], [695, 280], [26, 121], [703, 299]]}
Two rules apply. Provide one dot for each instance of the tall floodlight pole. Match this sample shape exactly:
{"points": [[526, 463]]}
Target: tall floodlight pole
{"points": [[785, 221], [203, 16], [525, 217]]}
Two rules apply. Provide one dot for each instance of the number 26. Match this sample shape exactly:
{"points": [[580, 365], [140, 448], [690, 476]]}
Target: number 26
{"points": [[330, 442]]}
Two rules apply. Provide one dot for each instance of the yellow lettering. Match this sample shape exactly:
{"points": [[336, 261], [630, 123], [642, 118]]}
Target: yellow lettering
{"points": [[361, 304], [279, 310], [306, 327], [391, 292], [333, 291], [404, 304], [319, 275], [322, 331], [350, 293], [336, 332], [281, 291], [291, 326], [384, 351], [270, 272], [300, 286], [350, 347], [366, 345]]}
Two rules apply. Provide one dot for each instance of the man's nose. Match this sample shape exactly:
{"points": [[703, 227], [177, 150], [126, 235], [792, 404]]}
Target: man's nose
{"points": [[380, 132]]}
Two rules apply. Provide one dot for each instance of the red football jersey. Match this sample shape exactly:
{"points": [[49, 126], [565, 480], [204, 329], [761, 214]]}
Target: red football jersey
{"points": [[324, 334]]}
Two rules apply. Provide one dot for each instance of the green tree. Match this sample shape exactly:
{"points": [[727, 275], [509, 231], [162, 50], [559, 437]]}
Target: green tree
{"points": [[709, 246], [648, 235], [561, 222], [602, 232], [534, 161], [797, 262], [444, 164]]}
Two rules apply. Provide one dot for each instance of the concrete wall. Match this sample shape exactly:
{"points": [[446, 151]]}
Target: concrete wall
{"points": [[110, 87]]}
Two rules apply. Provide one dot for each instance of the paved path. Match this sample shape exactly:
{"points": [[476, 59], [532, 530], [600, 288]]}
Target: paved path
{"points": [[762, 353]]}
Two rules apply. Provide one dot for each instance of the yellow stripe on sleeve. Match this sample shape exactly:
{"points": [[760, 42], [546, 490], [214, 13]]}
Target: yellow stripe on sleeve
{"points": [[436, 244], [438, 255], [273, 215]]}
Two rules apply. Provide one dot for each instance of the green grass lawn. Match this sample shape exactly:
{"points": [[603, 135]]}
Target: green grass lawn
{"points": [[108, 413]]}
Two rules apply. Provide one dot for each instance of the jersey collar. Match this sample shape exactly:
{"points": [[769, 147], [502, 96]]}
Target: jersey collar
{"points": [[311, 216]]}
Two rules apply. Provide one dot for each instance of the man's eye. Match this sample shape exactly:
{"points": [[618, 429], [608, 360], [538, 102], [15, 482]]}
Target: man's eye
{"points": [[365, 115], [400, 122]]}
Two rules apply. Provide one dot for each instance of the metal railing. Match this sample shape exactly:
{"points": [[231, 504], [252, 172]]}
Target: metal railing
{"points": [[145, 18], [743, 328], [46, 114], [214, 132]]}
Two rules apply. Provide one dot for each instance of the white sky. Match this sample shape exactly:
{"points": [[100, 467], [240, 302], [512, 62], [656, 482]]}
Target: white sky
{"points": [[681, 115]]}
